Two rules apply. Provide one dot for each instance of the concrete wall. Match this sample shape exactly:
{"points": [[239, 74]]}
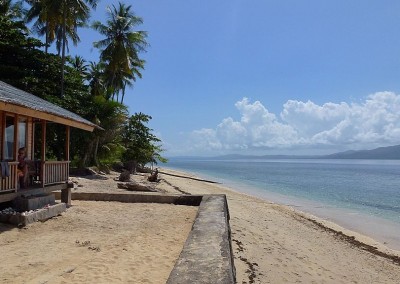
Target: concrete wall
{"points": [[207, 255], [192, 200]]}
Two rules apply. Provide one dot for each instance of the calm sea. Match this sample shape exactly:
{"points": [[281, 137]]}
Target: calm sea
{"points": [[362, 195]]}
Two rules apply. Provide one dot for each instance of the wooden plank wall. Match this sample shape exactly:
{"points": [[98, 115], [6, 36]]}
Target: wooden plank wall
{"points": [[10, 182]]}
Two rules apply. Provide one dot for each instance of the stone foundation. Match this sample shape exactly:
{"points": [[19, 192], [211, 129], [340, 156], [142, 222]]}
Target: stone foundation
{"points": [[25, 218], [33, 202]]}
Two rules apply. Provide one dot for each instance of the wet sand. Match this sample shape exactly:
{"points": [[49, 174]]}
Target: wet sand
{"points": [[274, 243]]}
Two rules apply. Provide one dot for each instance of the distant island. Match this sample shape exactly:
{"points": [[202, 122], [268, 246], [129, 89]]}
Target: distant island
{"points": [[381, 153]]}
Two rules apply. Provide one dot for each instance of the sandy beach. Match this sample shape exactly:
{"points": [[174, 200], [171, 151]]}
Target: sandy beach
{"points": [[110, 242], [273, 243], [97, 242]]}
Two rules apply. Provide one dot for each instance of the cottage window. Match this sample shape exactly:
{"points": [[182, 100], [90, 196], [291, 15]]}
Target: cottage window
{"points": [[9, 138], [22, 132]]}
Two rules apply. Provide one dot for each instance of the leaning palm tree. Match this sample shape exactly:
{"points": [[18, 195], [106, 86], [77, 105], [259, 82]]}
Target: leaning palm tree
{"points": [[121, 47]]}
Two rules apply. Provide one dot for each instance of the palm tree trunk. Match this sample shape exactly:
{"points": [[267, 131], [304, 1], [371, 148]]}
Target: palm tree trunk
{"points": [[96, 149], [47, 38], [64, 40], [123, 93]]}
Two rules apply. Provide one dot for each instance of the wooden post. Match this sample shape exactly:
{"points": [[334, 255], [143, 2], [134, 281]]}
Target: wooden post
{"points": [[67, 138], [42, 172], [66, 196], [16, 147], [2, 133], [31, 137], [2, 116], [66, 192], [16, 129]]}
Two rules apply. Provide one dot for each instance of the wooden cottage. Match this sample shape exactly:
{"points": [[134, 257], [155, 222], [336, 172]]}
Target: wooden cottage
{"points": [[20, 114]]}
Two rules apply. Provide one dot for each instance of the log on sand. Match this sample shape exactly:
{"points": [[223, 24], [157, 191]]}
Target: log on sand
{"points": [[198, 179], [132, 186]]}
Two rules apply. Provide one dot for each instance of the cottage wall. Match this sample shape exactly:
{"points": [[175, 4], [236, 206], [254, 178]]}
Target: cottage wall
{"points": [[51, 174]]}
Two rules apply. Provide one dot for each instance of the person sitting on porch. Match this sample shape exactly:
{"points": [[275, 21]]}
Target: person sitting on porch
{"points": [[22, 168]]}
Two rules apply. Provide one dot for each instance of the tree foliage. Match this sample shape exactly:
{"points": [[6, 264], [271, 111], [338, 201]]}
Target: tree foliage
{"points": [[142, 146], [59, 21], [24, 65], [120, 49]]}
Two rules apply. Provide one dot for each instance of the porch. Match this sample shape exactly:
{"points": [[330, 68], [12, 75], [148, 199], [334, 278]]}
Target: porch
{"points": [[25, 121], [52, 176], [40, 175]]}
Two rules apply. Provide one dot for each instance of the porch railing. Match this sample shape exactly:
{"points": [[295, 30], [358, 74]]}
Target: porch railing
{"points": [[51, 172], [55, 172], [10, 183]]}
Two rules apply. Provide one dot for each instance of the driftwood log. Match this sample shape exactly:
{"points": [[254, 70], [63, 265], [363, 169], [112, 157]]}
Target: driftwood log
{"points": [[132, 186]]}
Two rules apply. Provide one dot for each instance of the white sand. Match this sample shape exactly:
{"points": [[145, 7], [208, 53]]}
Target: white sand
{"points": [[139, 243], [275, 244], [97, 242]]}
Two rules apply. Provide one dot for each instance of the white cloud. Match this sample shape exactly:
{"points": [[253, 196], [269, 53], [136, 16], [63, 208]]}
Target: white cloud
{"points": [[309, 119], [374, 122]]}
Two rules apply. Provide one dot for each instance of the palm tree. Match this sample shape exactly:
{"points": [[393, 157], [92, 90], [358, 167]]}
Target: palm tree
{"points": [[79, 64], [48, 19], [38, 11], [135, 72], [110, 115], [59, 20], [121, 47], [95, 78], [13, 11], [75, 13]]}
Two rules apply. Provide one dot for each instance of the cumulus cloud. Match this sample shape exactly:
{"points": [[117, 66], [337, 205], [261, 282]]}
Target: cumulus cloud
{"points": [[376, 121]]}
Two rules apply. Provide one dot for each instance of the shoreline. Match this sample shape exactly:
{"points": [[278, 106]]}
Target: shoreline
{"points": [[381, 231], [271, 243], [292, 244]]}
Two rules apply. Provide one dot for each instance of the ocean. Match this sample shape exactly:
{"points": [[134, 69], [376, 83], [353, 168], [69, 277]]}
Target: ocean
{"points": [[360, 195]]}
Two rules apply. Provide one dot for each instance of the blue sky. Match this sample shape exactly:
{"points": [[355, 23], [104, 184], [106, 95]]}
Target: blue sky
{"points": [[266, 77]]}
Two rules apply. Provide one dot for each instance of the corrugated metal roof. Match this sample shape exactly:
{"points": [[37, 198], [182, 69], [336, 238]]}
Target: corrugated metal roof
{"points": [[12, 95]]}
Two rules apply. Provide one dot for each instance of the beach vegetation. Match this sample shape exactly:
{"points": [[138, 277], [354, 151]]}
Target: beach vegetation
{"points": [[120, 49], [12, 9], [26, 64], [58, 21], [142, 146]]}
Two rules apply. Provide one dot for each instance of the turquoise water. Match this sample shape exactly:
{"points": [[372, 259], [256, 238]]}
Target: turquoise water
{"points": [[369, 187]]}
